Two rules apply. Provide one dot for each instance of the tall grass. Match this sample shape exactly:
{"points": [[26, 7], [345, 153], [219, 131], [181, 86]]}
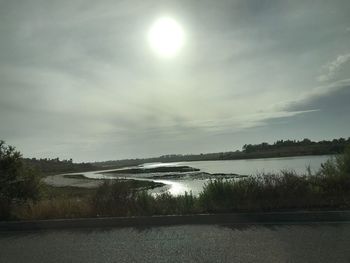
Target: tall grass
{"points": [[58, 208], [272, 192], [118, 199], [58, 202], [327, 188]]}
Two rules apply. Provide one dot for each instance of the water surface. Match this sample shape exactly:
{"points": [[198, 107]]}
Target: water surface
{"points": [[267, 165], [177, 186]]}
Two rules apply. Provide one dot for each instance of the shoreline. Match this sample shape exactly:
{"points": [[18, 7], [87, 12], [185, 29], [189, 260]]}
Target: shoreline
{"points": [[111, 168], [156, 160], [171, 175]]}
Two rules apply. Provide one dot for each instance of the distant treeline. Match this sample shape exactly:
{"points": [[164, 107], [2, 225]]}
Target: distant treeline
{"points": [[280, 148], [54, 166]]}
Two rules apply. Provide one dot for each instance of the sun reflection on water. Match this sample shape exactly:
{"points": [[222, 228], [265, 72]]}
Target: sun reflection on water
{"points": [[175, 188]]}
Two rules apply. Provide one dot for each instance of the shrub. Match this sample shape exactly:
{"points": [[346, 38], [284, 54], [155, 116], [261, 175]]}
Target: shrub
{"points": [[114, 198], [337, 166], [17, 182]]}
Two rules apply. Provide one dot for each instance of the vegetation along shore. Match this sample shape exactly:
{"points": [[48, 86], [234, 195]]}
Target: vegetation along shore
{"points": [[23, 195]]}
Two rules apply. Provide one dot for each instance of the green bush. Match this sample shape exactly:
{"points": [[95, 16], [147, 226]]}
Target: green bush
{"points": [[17, 182], [337, 166]]}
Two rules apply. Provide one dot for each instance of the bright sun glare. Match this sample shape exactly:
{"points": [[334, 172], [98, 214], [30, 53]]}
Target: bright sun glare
{"points": [[166, 37]]}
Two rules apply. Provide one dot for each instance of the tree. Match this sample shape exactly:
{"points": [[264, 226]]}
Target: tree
{"points": [[17, 182]]}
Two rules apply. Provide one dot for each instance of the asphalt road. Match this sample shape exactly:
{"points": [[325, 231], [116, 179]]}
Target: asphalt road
{"points": [[327, 242]]}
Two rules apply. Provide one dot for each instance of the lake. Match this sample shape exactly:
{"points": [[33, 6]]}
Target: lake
{"points": [[267, 165], [252, 166], [242, 167]]}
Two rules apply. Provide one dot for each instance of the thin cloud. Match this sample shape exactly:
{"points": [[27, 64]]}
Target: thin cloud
{"points": [[78, 79], [334, 67]]}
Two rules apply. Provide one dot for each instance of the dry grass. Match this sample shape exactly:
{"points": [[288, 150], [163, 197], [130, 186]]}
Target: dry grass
{"points": [[59, 208]]}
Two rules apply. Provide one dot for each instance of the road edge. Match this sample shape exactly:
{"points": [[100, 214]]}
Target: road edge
{"points": [[201, 219]]}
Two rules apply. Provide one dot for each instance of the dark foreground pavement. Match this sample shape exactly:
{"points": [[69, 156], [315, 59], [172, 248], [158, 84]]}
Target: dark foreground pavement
{"points": [[306, 242]]}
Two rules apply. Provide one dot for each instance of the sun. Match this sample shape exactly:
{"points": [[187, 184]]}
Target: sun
{"points": [[166, 37]]}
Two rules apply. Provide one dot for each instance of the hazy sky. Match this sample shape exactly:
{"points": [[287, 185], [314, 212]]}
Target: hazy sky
{"points": [[78, 78]]}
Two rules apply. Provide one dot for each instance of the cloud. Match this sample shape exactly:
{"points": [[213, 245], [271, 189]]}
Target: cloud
{"points": [[77, 79], [334, 67], [333, 100]]}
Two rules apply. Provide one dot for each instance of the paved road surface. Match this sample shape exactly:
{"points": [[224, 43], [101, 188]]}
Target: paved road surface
{"points": [[189, 243]]}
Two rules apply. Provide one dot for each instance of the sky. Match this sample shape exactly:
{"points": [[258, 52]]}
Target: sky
{"points": [[78, 78]]}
